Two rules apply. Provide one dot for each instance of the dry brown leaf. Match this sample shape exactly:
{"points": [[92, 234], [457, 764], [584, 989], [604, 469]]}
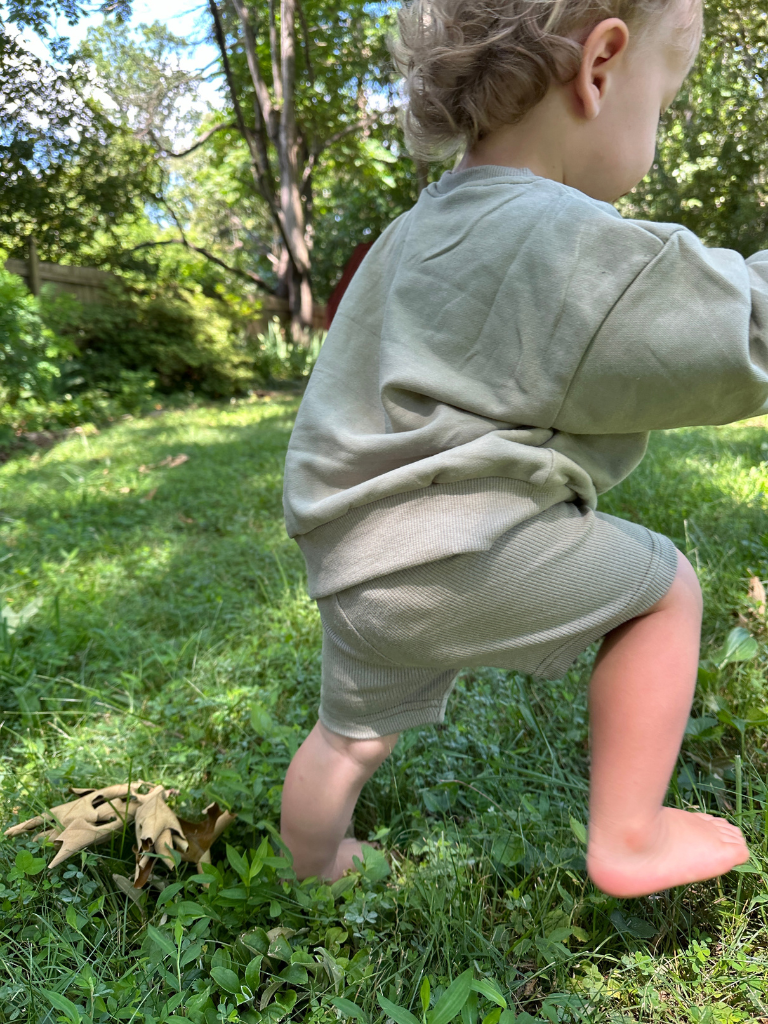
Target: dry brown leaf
{"points": [[172, 461], [94, 806], [185, 519], [125, 490], [149, 495], [201, 835], [97, 814], [158, 831], [79, 834], [757, 595]]}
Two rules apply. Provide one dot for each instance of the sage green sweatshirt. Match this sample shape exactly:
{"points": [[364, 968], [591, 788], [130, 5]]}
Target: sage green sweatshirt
{"points": [[508, 344]]}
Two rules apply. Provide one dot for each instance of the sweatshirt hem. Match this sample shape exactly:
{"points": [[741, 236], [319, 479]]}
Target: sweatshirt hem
{"points": [[417, 527]]}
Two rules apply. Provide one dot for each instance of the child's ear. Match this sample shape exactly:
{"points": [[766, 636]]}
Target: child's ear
{"points": [[604, 49]]}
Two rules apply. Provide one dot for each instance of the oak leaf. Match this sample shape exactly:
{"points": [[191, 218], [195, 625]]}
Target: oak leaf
{"points": [[201, 835], [96, 814], [158, 831], [81, 833], [94, 806]]}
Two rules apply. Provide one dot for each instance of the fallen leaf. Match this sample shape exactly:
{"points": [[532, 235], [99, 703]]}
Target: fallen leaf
{"points": [[125, 490], [201, 835], [149, 495], [185, 519], [95, 806], [757, 595], [158, 831], [96, 814], [79, 834], [172, 461]]}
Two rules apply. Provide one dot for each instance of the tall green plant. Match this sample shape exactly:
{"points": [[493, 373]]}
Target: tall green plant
{"points": [[28, 349]]}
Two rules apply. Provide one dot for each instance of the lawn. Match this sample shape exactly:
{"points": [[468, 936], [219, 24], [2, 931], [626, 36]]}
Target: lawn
{"points": [[172, 641]]}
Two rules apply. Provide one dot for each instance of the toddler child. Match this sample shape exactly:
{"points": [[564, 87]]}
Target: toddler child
{"points": [[498, 362]]}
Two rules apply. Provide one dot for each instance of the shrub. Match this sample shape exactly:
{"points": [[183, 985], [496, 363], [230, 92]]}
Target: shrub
{"points": [[181, 340], [276, 360], [29, 351]]}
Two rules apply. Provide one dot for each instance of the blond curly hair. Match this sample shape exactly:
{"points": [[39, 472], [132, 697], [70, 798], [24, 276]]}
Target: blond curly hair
{"points": [[471, 66]]}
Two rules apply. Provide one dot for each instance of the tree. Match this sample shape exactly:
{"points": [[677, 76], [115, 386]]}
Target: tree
{"points": [[710, 172], [150, 94], [300, 79], [66, 172], [305, 162]]}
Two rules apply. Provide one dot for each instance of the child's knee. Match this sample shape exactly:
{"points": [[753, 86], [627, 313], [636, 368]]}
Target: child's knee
{"points": [[368, 754], [685, 590]]}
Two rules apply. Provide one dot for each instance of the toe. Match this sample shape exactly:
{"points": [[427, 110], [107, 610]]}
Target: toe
{"points": [[726, 826]]}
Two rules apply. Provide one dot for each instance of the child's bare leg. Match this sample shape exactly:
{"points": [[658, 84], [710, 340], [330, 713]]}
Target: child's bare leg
{"points": [[640, 698], [321, 789]]}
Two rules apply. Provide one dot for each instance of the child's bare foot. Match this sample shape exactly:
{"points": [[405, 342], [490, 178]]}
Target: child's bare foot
{"points": [[348, 849], [678, 849]]}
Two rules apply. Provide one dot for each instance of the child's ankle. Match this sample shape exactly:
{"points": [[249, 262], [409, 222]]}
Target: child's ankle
{"points": [[633, 834]]}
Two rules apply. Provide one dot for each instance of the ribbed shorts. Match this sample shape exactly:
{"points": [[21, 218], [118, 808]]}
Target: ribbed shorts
{"points": [[545, 590]]}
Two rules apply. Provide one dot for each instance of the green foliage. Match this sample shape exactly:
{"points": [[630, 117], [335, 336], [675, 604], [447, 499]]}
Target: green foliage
{"points": [[150, 91], [28, 349], [278, 360], [38, 14], [66, 173], [713, 150], [179, 339]]}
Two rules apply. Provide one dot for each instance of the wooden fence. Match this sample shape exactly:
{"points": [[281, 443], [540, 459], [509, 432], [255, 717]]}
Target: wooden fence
{"points": [[90, 285], [84, 283]]}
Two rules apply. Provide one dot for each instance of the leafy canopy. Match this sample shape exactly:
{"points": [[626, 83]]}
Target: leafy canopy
{"points": [[713, 148]]}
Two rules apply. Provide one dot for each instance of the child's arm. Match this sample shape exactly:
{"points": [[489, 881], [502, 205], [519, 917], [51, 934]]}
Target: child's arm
{"points": [[686, 344]]}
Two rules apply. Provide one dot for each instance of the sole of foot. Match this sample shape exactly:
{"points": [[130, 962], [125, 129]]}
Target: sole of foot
{"points": [[679, 848]]}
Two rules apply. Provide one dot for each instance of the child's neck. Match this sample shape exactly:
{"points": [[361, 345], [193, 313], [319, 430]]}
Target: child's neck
{"points": [[537, 143]]}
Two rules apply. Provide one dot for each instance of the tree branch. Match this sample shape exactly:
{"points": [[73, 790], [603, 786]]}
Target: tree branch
{"points": [[222, 44], [259, 85], [254, 140], [274, 51], [247, 275], [305, 40], [200, 142], [367, 122]]}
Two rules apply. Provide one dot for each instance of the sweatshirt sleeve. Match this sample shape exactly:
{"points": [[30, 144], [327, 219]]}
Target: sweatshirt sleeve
{"points": [[685, 345]]}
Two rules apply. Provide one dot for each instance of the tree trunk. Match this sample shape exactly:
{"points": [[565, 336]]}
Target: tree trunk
{"points": [[292, 207], [276, 125]]}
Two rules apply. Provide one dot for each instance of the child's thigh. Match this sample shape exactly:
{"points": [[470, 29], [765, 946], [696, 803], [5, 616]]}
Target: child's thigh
{"points": [[533, 602]]}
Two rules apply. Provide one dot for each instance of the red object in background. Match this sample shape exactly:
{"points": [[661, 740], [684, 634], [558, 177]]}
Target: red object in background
{"points": [[349, 272]]}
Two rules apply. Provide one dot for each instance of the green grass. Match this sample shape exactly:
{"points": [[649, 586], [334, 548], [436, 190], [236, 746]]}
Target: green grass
{"points": [[174, 642]]}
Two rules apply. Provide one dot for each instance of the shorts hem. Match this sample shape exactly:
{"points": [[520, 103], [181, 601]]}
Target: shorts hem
{"points": [[399, 719]]}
